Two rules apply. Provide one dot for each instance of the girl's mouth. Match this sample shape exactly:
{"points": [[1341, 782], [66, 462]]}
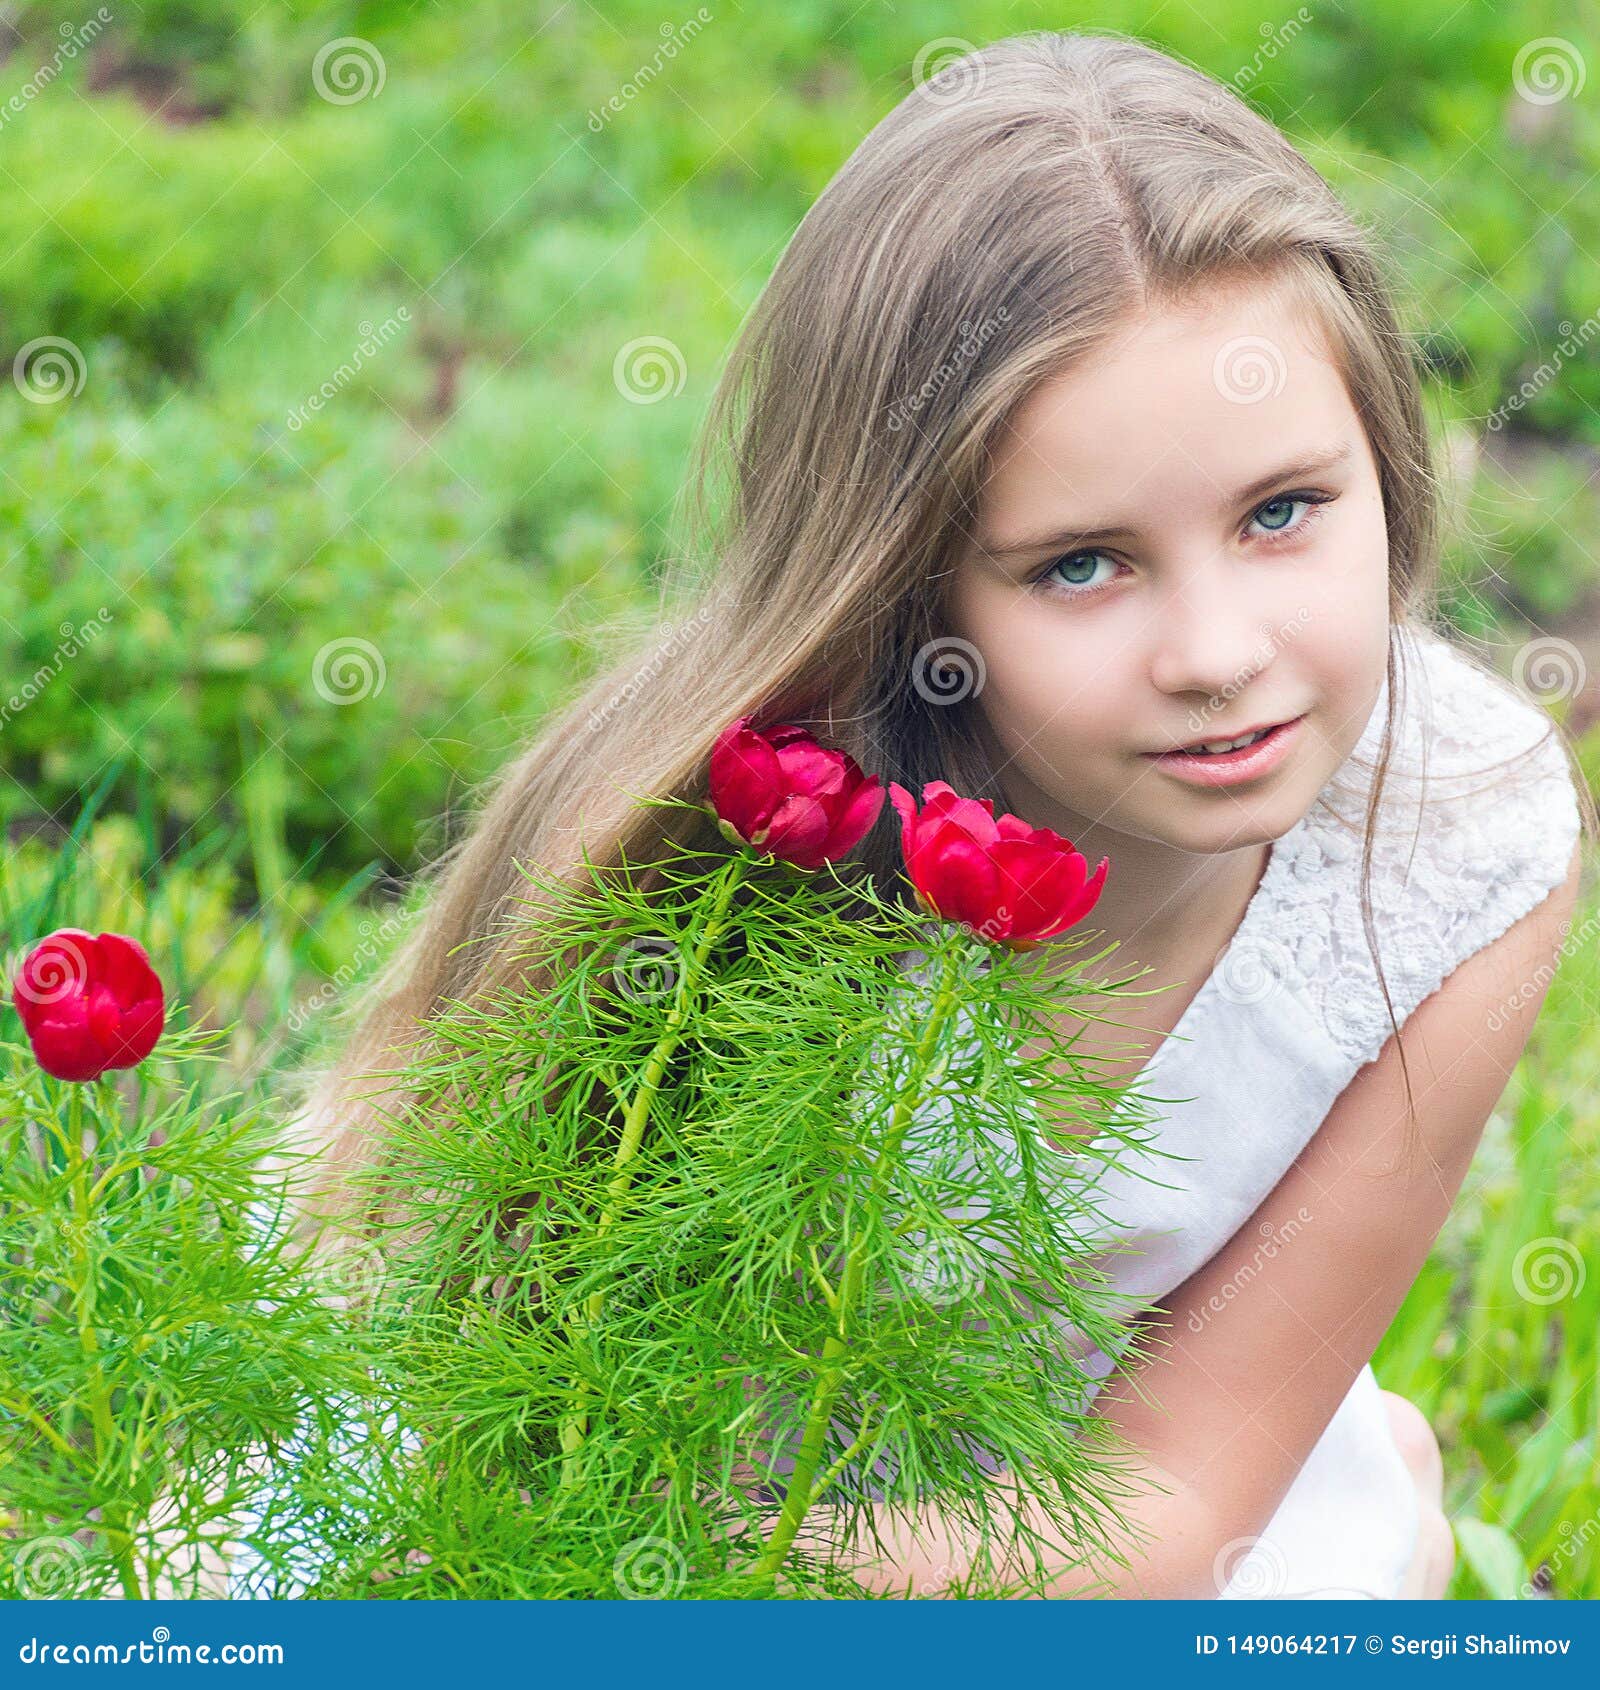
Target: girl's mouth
{"points": [[1231, 768]]}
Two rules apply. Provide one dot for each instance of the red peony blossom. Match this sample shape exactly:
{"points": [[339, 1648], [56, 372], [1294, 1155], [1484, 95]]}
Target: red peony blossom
{"points": [[783, 793], [1010, 883], [89, 1004]]}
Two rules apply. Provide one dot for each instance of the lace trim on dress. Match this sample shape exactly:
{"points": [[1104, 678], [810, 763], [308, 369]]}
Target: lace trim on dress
{"points": [[1463, 849]]}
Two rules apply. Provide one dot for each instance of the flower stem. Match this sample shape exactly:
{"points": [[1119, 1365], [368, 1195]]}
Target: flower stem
{"points": [[112, 1521], [636, 1117], [804, 1486]]}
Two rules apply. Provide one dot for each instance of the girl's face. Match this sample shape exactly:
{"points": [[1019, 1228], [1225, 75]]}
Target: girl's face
{"points": [[1181, 540]]}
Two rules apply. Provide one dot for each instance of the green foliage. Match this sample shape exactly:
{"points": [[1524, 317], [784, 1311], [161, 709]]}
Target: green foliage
{"points": [[1529, 509], [272, 973], [155, 1347], [367, 632], [730, 1195], [478, 499], [1496, 1340]]}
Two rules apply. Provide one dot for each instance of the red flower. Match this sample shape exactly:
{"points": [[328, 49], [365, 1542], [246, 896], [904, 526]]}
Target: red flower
{"points": [[1012, 884], [89, 1004], [786, 795]]}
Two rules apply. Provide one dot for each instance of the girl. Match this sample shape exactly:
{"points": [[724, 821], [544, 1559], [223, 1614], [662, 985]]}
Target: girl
{"points": [[1074, 430]]}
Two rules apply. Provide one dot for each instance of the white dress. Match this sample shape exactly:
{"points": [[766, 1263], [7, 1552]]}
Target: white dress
{"points": [[1290, 1012]]}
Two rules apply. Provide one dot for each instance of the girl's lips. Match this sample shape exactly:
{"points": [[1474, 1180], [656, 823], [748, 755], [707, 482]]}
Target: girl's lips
{"points": [[1231, 768]]}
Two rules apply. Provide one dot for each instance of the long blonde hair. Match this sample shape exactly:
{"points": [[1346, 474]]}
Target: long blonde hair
{"points": [[993, 227]]}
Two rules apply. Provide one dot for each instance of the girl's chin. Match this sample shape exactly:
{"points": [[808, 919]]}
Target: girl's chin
{"points": [[1208, 823]]}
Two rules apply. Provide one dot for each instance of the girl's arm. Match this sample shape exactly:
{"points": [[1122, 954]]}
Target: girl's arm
{"points": [[1241, 1392]]}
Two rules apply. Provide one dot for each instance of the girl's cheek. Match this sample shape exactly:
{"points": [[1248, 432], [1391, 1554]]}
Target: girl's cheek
{"points": [[1052, 644], [1336, 602]]}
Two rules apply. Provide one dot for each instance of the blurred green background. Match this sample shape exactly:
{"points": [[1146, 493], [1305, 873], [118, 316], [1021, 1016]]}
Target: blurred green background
{"points": [[329, 453]]}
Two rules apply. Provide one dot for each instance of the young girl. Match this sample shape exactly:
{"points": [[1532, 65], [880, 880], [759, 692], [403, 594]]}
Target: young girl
{"points": [[1075, 428]]}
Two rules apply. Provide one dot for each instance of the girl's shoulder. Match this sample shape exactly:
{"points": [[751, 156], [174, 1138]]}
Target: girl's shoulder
{"points": [[1478, 819]]}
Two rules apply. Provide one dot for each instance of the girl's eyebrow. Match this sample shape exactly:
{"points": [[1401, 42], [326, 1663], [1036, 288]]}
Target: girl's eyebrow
{"points": [[1329, 458]]}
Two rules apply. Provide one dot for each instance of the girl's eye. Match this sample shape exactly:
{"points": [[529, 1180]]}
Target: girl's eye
{"points": [[1276, 516], [1077, 570]]}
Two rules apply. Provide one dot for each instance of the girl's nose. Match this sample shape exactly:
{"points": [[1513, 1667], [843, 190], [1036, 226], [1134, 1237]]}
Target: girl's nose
{"points": [[1207, 637]]}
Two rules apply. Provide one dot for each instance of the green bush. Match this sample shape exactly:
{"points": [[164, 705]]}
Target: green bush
{"points": [[202, 585]]}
